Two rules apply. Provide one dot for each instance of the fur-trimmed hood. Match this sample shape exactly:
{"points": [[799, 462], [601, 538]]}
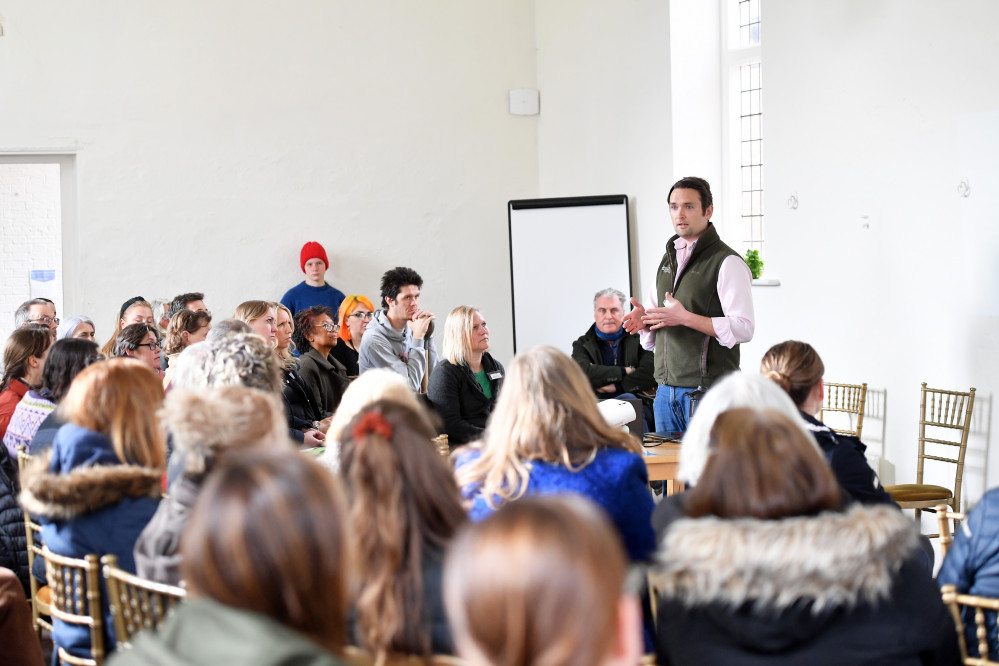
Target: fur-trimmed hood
{"points": [[825, 561], [81, 475]]}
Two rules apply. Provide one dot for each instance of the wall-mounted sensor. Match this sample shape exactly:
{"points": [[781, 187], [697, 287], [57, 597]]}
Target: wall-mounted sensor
{"points": [[524, 102]]}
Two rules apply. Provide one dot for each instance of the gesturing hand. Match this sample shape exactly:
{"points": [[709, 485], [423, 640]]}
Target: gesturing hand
{"points": [[632, 321], [672, 313]]}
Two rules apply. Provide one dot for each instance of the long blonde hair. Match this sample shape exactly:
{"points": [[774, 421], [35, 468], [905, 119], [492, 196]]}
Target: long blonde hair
{"points": [[547, 412], [120, 398], [457, 343]]}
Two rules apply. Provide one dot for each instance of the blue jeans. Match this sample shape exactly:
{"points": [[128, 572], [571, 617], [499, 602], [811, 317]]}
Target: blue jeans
{"points": [[671, 408]]}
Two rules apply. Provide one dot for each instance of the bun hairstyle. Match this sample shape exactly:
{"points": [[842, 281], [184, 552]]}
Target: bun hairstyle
{"points": [[795, 367]]}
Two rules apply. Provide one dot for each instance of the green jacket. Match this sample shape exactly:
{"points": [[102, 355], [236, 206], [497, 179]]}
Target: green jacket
{"points": [[205, 633], [693, 359]]}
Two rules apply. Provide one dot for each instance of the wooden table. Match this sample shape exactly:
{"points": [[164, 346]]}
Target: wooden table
{"points": [[663, 462]]}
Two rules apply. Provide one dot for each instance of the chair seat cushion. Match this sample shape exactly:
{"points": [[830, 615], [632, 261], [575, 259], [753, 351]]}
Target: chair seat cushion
{"points": [[918, 492], [44, 595]]}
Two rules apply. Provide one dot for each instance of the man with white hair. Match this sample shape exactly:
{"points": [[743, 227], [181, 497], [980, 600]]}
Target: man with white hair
{"points": [[615, 362]]}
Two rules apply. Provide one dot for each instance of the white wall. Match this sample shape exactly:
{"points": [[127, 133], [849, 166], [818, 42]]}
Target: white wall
{"points": [[873, 113], [605, 124], [30, 234], [214, 138]]}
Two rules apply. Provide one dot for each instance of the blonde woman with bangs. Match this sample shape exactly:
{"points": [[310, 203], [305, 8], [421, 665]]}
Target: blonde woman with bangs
{"points": [[465, 385], [100, 485], [546, 436]]}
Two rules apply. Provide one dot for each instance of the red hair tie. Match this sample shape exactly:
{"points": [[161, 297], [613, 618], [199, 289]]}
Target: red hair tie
{"points": [[373, 422]]}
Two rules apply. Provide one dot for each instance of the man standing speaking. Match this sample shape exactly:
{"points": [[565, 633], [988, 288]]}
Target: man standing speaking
{"points": [[701, 309]]}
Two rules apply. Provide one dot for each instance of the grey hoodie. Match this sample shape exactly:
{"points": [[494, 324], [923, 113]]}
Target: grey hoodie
{"points": [[384, 347]]}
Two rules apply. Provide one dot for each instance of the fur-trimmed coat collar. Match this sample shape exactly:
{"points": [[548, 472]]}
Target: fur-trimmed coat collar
{"points": [[826, 561], [56, 491]]}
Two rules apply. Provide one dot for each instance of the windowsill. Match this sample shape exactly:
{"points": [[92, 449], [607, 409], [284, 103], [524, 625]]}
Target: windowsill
{"points": [[766, 283]]}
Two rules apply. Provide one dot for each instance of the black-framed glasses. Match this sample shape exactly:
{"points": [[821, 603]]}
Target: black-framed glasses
{"points": [[152, 345], [362, 315], [331, 328], [48, 321]]}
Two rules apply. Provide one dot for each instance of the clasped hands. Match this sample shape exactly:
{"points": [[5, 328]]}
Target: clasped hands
{"points": [[420, 323]]}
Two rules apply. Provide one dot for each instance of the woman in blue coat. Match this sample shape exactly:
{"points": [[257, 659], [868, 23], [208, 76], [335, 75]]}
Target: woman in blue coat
{"points": [[972, 564], [102, 481], [547, 437]]}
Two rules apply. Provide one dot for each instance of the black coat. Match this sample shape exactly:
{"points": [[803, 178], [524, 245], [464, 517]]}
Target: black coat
{"points": [[13, 542], [586, 352], [459, 400], [837, 588], [848, 462]]}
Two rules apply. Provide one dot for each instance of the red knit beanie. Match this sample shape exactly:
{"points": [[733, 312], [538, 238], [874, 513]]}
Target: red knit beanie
{"points": [[313, 250]]}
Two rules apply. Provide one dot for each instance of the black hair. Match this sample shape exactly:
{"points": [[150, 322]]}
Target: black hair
{"points": [[66, 359], [694, 183], [395, 279], [305, 323], [131, 337]]}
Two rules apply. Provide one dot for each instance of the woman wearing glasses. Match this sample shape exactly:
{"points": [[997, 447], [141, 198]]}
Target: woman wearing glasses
{"points": [[356, 312], [315, 337], [141, 342]]}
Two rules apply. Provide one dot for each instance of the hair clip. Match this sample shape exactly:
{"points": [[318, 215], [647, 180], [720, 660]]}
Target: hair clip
{"points": [[373, 423]]}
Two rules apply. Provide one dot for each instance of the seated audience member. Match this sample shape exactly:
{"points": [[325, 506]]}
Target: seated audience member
{"points": [[236, 359], [266, 568], [301, 404], [315, 336], [13, 542], [796, 368], [356, 312], [261, 316], [136, 310], [193, 301], [543, 582], [466, 384], [313, 290], [546, 436], [615, 362], [141, 342], [36, 311], [67, 358], [737, 389], [365, 390], [185, 328], [77, 327], [101, 482], [404, 509], [226, 327], [21, 646], [972, 564], [206, 427], [24, 355], [401, 338], [765, 566]]}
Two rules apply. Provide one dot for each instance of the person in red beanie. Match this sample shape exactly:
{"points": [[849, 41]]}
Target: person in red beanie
{"points": [[313, 290]]}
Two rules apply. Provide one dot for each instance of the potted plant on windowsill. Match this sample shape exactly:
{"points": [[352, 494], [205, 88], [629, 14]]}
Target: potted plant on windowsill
{"points": [[755, 263]]}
